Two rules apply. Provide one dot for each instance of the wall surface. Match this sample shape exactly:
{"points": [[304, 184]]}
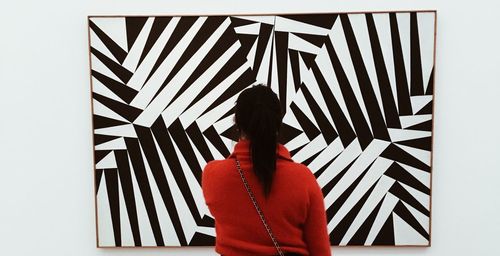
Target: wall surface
{"points": [[46, 186]]}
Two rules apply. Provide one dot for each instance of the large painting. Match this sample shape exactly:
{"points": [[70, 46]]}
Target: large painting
{"points": [[356, 88]]}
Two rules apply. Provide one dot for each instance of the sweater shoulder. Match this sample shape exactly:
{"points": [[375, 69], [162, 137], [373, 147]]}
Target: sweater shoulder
{"points": [[300, 169], [214, 167]]}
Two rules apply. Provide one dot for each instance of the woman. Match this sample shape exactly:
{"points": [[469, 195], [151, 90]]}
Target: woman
{"points": [[286, 192]]}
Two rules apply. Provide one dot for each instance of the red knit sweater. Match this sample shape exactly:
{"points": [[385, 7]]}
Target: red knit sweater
{"points": [[294, 210]]}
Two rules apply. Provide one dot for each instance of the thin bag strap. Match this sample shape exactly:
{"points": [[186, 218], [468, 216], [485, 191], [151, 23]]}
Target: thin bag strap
{"points": [[261, 215]]}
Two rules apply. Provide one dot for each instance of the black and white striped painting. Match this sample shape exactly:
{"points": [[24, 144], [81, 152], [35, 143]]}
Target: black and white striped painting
{"points": [[358, 94]]}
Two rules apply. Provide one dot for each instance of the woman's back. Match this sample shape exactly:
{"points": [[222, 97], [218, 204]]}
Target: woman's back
{"points": [[287, 192], [294, 208]]}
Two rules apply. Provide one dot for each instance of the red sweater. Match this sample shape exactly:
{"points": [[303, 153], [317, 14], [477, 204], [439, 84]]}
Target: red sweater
{"points": [[294, 210]]}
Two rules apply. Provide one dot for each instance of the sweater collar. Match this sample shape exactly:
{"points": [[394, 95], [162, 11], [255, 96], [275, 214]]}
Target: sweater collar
{"points": [[242, 150]]}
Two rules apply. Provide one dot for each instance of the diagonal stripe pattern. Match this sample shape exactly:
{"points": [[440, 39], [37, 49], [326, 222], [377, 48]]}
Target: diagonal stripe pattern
{"points": [[357, 95]]}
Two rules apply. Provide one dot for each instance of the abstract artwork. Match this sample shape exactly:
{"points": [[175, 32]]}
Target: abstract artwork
{"points": [[356, 88]]}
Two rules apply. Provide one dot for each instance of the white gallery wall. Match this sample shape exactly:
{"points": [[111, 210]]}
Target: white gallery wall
{"points": [[46, 179]]}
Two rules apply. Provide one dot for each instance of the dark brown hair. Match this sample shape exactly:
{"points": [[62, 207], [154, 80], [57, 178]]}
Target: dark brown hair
{"points": [[258, 115]]}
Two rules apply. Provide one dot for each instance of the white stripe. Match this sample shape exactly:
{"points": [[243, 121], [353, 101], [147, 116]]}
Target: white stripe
{"points": [[422, 219], [367, 157], [97, 44], [404, 234], [213, 115], [404, 34], [289, 25], [133, 56], [372, 176], [145, 230], [114, 28], [407, 121], [139, 78], [101, 89], [117, 143], [313, 147], [339, 42], [267, 19], [400, 135], [380, 190], [348, 155], [383, 26], [421, 197], [360, 28], [299, 44], [177, 107], [420, 175], [126, 229], [426, 35], [104, 223], [107, 162], [101, 110], [386, 209], [422, 155], [126, 130], [187, 222], [166, 226], [297, 142], [98, 66], [152, 86], [250, 29], [335, 148]]}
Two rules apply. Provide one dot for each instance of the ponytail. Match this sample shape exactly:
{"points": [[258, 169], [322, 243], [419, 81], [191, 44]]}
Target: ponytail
{"points": [[258, 115]]}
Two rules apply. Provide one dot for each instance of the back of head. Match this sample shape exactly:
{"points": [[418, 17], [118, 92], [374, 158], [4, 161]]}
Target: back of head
{"points": [[258, 116]]}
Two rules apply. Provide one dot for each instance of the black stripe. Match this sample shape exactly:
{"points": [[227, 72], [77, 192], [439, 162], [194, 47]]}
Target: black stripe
{"points": [[395, 153], [98, 177], [111, 177], [319, 20], [142, 180], [390, 109], [181, 140], [294, 63], [401, 193], [307, 126], [417, 84], [104, 122], [372, 107], [126, 111], [117, 69], [282, 67], [359, 238], [197, 137], [264, 35], [134, 26], [113, 47], [363, 132], [128, 193], [245, 80], [224, 42], [402, 211], [215, 139], [207, 29], [180, 30], [99, 138], [398, 173], [348, 219], [404, 104], [236, 61], [273, 45], [124, 92], [153, 158], [159, 25], [327, 130]]}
